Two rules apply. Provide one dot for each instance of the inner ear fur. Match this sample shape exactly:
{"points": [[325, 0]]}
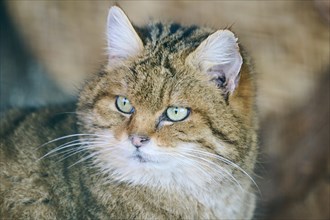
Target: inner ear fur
{"points": [[219, 57]]}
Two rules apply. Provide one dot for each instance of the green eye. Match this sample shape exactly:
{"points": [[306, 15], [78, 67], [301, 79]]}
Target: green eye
{"points": [[177, 113], [123, 105]]}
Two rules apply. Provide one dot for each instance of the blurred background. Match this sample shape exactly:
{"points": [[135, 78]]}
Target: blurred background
{"points": [[48, 48]]}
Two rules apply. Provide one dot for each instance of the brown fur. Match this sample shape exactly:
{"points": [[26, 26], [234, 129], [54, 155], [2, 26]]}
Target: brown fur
{"points": [[157, 78]]}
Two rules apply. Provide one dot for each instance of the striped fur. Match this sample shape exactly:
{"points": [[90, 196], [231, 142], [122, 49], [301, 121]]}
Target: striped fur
{"points": [[198, 168], [157, 77]]}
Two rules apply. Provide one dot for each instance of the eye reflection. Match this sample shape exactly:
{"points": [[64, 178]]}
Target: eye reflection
{"points": [[176, 114]]}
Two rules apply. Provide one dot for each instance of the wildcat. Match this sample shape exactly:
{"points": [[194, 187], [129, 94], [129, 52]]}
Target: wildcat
{"points": [[167, 130]]}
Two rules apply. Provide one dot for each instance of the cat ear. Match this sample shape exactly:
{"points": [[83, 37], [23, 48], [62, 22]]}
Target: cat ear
{"points": [[219, 56], [123, 41]]}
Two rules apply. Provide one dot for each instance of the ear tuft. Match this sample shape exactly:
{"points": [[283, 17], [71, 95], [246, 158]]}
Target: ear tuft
{"points": [[123, 41], [219, 56]]}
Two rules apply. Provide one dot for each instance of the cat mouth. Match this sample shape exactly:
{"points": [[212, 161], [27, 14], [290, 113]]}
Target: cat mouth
{"points": [[140, 157]]}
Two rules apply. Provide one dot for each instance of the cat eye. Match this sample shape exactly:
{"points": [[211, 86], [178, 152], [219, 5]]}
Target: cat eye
{"points": [[176, 114], [123, 105]]}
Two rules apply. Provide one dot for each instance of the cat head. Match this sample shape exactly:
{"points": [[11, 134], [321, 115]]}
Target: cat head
{"points": [[173, 105]]}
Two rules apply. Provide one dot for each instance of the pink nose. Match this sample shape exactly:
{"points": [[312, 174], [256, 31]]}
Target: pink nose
{"points": [[139, 141]]}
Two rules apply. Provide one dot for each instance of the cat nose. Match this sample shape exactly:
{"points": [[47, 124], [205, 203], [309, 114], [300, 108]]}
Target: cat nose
{"points": [[138, 141]]}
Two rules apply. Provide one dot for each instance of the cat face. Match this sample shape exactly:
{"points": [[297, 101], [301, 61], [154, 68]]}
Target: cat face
{"points": [[157, 117]]}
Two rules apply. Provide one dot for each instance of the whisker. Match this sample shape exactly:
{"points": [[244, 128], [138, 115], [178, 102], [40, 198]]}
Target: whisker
{"points": [[70, 136], [227, 161], [78, 150], [61, 147], [88, 157], [232, 178], [187, 160], [84, 145]]}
